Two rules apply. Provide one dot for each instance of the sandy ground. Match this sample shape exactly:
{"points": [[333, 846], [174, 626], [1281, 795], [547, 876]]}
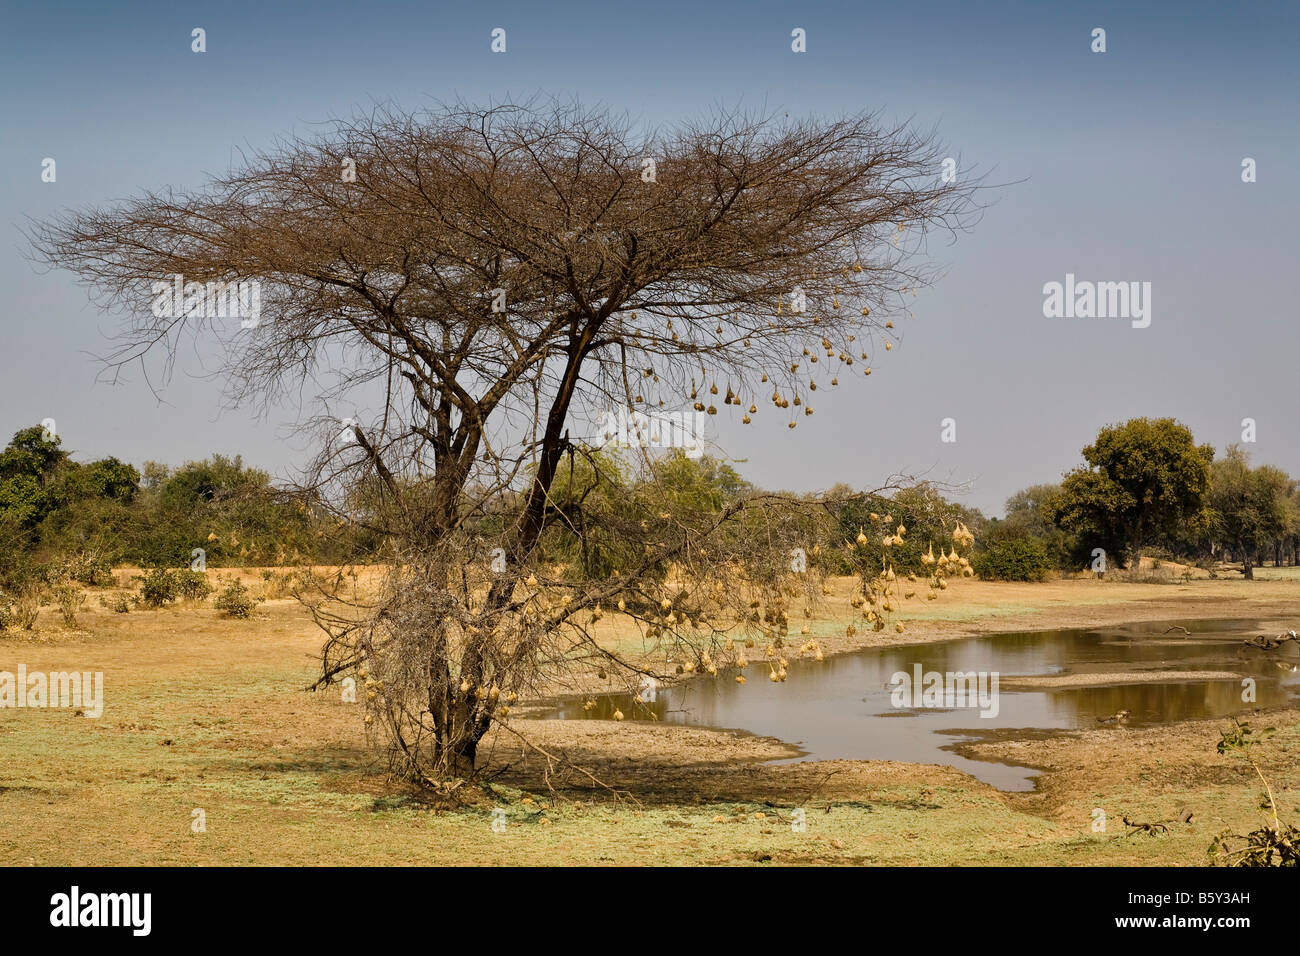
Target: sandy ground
{"points": [[1109, 679], [207, 713]]}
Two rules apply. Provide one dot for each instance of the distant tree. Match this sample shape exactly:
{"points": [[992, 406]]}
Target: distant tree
{"points": [[703, 482], [1284, 542], [1031, 508], [29, 467], [1143, 479], [153, 474], [15, 563], [599, 483], [213, 479], [1248, 505], [1293, 524], [107, 478], [52, 508], [1030, 512], [231, 511]]}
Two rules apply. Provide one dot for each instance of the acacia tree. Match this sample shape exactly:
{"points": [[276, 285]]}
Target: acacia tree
{"points": [[469, 286]]}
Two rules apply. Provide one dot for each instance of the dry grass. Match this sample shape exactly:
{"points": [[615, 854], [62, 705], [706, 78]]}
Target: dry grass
{"points": [[205, 712]]}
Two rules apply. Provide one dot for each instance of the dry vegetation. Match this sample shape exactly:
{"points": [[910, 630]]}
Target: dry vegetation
{"points": [[209, 712]]}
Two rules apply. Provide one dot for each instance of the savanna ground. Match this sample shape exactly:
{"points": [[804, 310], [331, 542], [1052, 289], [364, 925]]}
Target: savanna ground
{"points": [[209, 713]]}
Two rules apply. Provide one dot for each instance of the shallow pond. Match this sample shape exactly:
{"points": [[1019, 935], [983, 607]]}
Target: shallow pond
{"points": [[845, 706]]}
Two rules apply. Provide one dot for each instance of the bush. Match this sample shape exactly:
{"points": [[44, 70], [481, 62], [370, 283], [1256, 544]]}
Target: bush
{"points": [[280, 585], [193, 585], [69, 599], [118, 604], [1012, 557], [158, 587], [1151, 575], [161, 586], [20, 610], [236, 601], [88, 568]]}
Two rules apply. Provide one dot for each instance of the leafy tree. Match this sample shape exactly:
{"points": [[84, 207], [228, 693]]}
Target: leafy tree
{"points": [[596, 483], [107, 478], [1030, 512], [1249, 506], [1293, 524], [1031, 509], [52, 506], [229, 510], [1284, 541], [32, 452], [28, 469], [1143, 479]]}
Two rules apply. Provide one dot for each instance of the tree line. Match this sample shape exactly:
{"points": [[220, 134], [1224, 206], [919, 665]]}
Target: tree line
{"points": [[62, 518], [1144, 487]]}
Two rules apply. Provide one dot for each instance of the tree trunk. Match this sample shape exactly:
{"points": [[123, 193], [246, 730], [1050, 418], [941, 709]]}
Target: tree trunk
{"points": [[1135, 557], [462, 764], [456, 744], [1247, 568]]}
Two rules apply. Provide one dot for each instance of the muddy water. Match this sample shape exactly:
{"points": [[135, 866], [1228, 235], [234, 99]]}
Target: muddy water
{"points": [[844, 707]]}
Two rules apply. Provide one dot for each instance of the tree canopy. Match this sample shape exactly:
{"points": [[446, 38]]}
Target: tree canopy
{"points": [[1249, 507], [485, 279], [1144, 478]]}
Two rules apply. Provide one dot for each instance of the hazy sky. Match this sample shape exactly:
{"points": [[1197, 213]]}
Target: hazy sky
{"points": [[1126, 167]]}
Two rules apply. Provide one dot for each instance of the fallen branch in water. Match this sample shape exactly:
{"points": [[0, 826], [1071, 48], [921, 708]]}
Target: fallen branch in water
{"points": [[1269, 643]]}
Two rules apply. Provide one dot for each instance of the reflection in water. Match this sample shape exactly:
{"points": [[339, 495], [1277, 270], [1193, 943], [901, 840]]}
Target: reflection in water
{"points": [[840, 708]]}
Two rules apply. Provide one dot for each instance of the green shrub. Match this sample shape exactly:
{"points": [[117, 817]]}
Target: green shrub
{"points": [[236, 601], [1012, 557], [193, 585], [158, 587], [162, 586]]}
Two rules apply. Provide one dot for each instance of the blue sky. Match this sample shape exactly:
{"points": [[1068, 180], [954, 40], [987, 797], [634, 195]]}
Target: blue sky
{"points": [[1122, 166]]}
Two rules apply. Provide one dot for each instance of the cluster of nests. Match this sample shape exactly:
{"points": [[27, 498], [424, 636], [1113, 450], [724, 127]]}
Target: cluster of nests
{"points": [[843, 355], [880, 593]]}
